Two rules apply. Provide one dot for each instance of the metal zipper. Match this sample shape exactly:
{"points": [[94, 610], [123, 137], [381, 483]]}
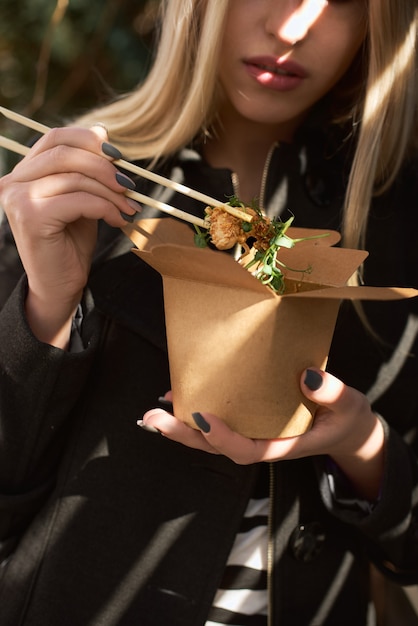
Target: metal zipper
{"points": [[270, 542], [235, 184], [270, 547], [235, 188], [235, 179], [264, 176], [272, 484]]}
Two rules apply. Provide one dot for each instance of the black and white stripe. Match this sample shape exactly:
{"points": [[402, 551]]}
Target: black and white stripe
{"points": [[242, 596]]}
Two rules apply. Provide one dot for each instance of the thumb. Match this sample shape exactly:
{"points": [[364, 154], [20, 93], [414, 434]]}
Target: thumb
{"points": [[328, 391], [321, 387]]}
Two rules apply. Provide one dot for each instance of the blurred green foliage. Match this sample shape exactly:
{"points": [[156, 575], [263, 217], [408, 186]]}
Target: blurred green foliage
{"points": [[61, 57]]}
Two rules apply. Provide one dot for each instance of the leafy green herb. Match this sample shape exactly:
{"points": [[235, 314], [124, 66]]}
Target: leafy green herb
{"points": [[269, 236], [201, 239], [267, 265]]}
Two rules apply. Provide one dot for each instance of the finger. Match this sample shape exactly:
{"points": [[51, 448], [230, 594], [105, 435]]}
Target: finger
{"points": [[62, 159], [78, 150], [328, 391], [74, 182], [243, 450], [68, 150], [174, 429], [166, 402], [51, 203], [344, 421], [215, 437], [168, 396], [89, 139], [240, 449], [69, 208]]}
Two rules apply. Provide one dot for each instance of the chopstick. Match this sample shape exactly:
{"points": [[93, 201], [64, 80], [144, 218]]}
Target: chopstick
{"points": [[161, 180], [18, 148], [13, 146], [24, 121]]}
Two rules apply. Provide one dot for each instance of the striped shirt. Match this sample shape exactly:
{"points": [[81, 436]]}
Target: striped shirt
{"points": [[242, 597]]}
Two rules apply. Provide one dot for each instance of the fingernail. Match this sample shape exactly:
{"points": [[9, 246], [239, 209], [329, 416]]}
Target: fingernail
{"points": [[134, 205], [125, 181], [313, 380], [166, 403], [111, 151], [147, 428], [201, 423], [127, 218]]}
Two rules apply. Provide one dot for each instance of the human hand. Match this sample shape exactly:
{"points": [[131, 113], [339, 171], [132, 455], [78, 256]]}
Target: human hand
{"points": [[53, 199], [344, 428]]}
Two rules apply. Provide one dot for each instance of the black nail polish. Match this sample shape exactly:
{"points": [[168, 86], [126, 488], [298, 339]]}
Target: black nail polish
{"points": [[201, 423], [127, 218], [111, 151], [148, 429], [134, 205], [313, 380], [167, 404], [125, 181]]}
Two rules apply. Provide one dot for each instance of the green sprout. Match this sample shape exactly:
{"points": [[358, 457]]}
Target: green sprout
{"points": [[201, 239], [265, 265]]}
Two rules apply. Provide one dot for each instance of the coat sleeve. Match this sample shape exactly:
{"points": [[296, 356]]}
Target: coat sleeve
{"points": [[39, 389], [390, 527]]}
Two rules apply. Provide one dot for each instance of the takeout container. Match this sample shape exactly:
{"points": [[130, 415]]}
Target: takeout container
{"points": [[236, 349]]}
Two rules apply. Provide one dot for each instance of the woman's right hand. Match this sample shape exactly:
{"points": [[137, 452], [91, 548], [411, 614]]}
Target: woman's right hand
{"points": [[53, 199]]}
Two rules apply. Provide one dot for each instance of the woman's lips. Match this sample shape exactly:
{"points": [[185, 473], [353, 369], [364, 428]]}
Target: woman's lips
{"points": [[275, 74]]}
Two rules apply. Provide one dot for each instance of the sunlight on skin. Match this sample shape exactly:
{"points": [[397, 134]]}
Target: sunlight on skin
{"points": [[301, 20], [345, 428]]}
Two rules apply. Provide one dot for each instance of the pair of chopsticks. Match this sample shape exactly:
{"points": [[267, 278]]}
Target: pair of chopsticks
{"points": [[21, 149]]}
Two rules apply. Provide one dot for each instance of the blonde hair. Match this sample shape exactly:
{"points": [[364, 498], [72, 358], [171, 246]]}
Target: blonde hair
{"points": [[178, 99], [388, 115]]}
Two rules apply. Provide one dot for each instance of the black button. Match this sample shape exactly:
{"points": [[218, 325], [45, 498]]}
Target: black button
{"points": [[307, 541]]}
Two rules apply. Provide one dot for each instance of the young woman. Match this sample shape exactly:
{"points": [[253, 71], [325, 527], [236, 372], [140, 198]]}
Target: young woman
{"points": [[303, 104]]}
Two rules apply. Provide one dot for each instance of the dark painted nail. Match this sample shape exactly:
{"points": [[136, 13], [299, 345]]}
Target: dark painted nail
{"points": [[125, 181], [147, 428], [201, 423], [313, 380], [167, 404], [134, 205], [128, 218], [111, 151]]}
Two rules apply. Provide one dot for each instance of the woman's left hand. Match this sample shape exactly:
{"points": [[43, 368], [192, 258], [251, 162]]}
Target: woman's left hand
{"points": [[345, 428]]}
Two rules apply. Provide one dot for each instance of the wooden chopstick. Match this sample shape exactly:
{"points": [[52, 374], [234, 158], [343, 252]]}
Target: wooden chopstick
{"points": [[24, 121], [18, 148], [13, 146], [136, 169]]}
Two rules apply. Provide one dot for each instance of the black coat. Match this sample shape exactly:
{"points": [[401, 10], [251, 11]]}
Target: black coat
{"points": [[103, 524]]}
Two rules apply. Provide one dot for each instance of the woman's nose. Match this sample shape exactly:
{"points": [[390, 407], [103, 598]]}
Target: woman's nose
{"points": [[294, 18]]}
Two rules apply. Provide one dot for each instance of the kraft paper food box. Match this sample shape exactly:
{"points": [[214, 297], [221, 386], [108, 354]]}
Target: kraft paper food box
{"points": [[237, 349]]}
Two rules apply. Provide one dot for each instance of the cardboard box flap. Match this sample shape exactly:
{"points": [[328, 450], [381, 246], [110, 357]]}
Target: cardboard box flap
{"points": [[314, 237], [201, 266], [358, 293], [147, 233], [168, 246], [320, 265]]}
